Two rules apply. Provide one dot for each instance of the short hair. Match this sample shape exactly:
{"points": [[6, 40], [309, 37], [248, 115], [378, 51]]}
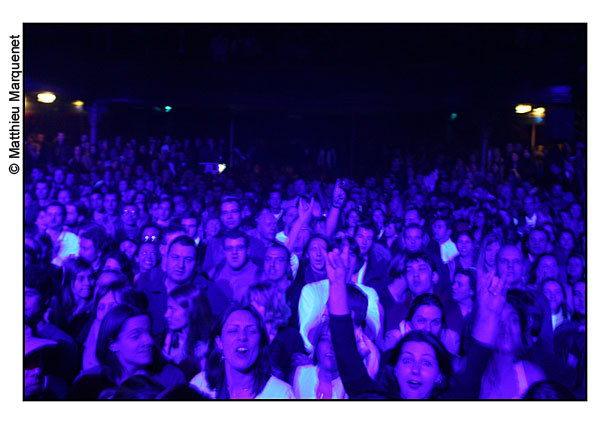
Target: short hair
{"points": [[57, 205], [412, 226], [548, 389], [236, 234], [170, 229], [228, 199], [366, 224], [540, 229], [96, 233], [472, 277], [183, 240], [421, 257]]}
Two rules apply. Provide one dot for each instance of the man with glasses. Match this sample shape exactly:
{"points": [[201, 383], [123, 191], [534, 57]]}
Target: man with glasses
{"points": [[128, 228], [237, 272]]}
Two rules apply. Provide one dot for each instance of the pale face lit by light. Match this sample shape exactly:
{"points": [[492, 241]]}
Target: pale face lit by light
{"points": [[236, 252], [419, 277], [275, 264], [413, 239], [239, 340], [364, 238], [230, 215], [417, 370], [315, 253]]}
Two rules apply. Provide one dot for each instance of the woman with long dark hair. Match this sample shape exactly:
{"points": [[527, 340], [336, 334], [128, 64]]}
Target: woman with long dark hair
{"points": [[238, 365]]}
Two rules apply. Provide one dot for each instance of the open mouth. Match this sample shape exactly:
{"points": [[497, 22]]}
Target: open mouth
{"points": [[241, 350], [414, 385]]}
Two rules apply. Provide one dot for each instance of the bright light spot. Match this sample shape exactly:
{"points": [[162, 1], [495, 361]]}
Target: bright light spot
{"points": [[539, 111], [523, 108], [46, 97], [168, 108], [221, 167], [78, 103], [454, 116]]}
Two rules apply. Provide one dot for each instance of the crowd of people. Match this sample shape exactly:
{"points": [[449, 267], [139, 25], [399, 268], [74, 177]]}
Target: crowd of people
{"points": [[148, 278]]}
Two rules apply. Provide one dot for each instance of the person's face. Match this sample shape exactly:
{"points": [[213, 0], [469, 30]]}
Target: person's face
{"points": [[58, 176], [461, 288], [41, 221], [276, 264], [575, 267], [147, 256], [315, 252], [364, 238], [96, 202], [352, 218], [553, 292], [111, 264], [275, 200], [510, 265], [464, 245], [236, 252], [412, 217], [508, 339], [547, 268], [180, 204], [128, 248], [212, 228], [576, 211], [566, 241], [190, 226], [176, 315], [55, 217], [378, 218], [267, 227], [134, 345], [230, 215], [110, 203], [106, 303], [440, 232], [86, 249], [64, 197], [428, 318], [491, 251], [417, 370], [164, 211], [479, 219], [71, 215], [150, 186], [130, 215], [325, 353], [419, 277], [299, 187], [579, 298], [413, 239], [34, 305], [290, 216], [82, 286], [181, 262], [239, 340]]}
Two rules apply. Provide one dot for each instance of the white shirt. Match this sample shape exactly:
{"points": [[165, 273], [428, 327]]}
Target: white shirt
{"points": [[312, 308], [274, 389], [69, 244], [306, 381], [448, 251]]}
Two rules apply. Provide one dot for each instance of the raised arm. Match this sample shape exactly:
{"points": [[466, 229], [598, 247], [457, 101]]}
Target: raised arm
{"points": [[335, 209]]}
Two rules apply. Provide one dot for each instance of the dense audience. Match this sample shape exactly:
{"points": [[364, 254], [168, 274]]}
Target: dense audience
{"points": [[148, 278]]}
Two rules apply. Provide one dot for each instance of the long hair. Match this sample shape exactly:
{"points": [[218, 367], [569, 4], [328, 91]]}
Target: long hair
{"points": [[199, 314], [215, 367], [443, 357], [487, 240], [277, 311], [110, 328], [71, 268]]}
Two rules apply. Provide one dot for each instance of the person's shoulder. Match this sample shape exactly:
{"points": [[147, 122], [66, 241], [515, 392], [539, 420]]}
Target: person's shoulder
{"points": [[276, 389], [50, 331]]}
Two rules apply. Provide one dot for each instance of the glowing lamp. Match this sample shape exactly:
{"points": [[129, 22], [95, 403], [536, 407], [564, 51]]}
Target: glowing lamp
{"points": [[221, 167], [523, 108], [78, 103], [168, 108], [538, 112], [46, 97]]}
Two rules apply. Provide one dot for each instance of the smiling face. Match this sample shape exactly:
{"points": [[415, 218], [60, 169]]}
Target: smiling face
{"points": [[82, 286], [417, 370], [239, 340], [134, 345], [325, 353], [147, 256]]}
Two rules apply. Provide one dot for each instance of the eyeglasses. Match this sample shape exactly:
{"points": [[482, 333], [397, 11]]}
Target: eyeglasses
{"points": [[149, 238], [130, 212]]}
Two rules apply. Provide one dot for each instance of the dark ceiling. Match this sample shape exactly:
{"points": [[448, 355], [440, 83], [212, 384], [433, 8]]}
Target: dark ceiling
{"points": [[308, 66]]}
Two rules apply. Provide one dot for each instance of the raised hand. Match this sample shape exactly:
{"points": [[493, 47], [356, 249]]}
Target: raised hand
{"points": [[339, 195]]}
